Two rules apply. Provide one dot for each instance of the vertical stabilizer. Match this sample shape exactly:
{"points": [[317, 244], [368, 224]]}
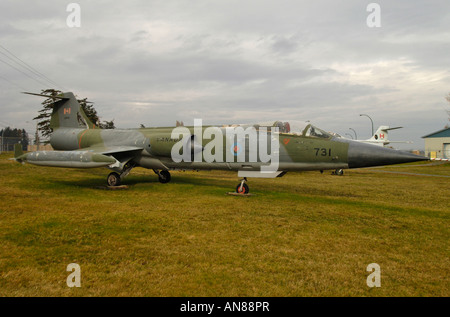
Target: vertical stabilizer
{"points": [[67, 113], [380, 135]]}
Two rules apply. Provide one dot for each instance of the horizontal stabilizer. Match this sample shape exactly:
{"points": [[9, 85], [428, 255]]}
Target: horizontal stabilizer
{"points": [[46, 96], [391, 128]]}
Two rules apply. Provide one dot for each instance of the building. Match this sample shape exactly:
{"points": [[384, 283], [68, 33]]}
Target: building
{"points": [[437, 144], [41, 147]]}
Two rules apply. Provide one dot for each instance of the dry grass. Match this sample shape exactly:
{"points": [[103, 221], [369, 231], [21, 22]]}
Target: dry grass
{"points": [[305, 234]]}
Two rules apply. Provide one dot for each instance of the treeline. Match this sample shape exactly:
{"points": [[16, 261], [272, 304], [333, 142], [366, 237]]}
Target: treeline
{"points": [[10, 136]]}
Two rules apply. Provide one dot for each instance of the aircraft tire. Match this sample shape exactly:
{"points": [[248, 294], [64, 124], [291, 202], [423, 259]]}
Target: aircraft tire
{"points": [[244, 190], [164, 177], [339, 172], [113, 179]]}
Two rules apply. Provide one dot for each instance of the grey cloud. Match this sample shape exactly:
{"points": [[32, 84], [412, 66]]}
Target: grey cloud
{"points": [[161, 61]]}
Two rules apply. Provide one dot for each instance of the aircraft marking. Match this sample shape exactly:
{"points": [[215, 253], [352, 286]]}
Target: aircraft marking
{"points": [[235, 149], [81, 136], [322, 151]]}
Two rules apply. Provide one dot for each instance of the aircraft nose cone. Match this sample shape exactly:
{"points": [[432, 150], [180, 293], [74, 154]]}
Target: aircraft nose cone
{"points": [[365, 155]]}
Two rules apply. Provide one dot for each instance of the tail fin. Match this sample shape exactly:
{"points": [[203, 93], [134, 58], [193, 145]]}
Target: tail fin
{"points": [[67, 112], [382, 134], [381, 137]]}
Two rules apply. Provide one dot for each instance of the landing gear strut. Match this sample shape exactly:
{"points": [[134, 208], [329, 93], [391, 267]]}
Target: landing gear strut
{"points": [[163, 176], [242, 187]]}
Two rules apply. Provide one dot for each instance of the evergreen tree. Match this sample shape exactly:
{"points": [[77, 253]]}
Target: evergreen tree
{"points": [[13, 136], [107, 125], [43, 119]]}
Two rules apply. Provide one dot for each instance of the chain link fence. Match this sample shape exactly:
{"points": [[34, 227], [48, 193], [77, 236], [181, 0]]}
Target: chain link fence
{"points": [[7, 143]]}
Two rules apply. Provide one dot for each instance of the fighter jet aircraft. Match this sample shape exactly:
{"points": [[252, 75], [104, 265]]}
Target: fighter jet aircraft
{"points": [[266, 150]]}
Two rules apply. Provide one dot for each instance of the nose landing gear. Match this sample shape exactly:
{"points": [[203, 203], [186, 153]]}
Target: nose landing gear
{"points": [[242, 187]]}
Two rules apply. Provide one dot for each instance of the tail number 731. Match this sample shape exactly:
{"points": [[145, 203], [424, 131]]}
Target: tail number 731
{"points": [[322, 151]]}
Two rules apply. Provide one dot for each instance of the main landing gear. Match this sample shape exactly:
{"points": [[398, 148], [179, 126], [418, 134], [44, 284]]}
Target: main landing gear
{"points": [[115, 179], [242, 187], [163, 176]]}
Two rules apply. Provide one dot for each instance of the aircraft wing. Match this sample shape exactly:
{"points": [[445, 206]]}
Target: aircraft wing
{"points": [[122, 153], [400, 141]]}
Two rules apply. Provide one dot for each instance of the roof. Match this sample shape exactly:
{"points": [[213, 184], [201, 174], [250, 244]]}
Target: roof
{"points": [[444, 133]]}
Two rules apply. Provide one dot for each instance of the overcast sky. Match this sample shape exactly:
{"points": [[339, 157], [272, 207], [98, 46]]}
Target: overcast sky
{"points": [[155, 62]]}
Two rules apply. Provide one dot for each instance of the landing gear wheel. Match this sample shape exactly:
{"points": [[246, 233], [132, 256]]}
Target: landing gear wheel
{"points": [[339, 172], [113, 179], [242, 188], [164, 177]]}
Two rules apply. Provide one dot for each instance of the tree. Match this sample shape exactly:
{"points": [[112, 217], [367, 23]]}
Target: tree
{"points": [[12, 136], [91, 113], [89, 110], [107, 125], [25, 140], [44, 117]]}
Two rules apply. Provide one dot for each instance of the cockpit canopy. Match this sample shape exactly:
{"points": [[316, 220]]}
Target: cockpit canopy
{"points": [[291, 127]]}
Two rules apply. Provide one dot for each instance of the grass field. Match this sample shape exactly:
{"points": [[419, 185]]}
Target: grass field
{"points": [[305, 234]]}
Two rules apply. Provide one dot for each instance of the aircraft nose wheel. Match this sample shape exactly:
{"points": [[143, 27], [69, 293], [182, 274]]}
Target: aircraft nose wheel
{"points": [[242, 187], [113, 179]]}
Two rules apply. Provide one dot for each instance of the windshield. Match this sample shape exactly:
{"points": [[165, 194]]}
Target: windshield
{"points": [[313, 131]]}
